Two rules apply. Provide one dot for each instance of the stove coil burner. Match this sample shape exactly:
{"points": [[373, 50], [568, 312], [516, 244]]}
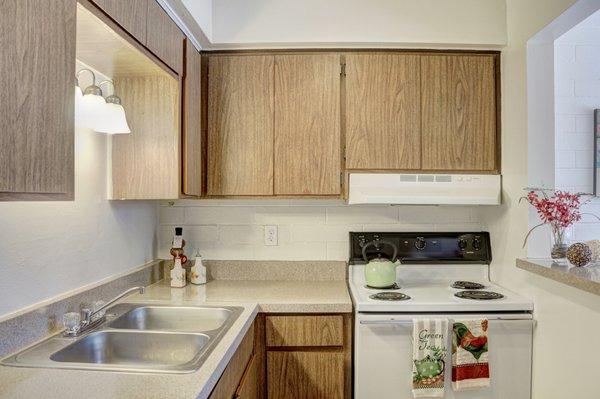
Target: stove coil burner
{"points": [[479, 295], [389, 287], [467, 285], [389, 296]]}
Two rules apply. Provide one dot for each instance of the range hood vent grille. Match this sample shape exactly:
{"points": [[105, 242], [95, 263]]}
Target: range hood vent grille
{"points": [[424, 189]]}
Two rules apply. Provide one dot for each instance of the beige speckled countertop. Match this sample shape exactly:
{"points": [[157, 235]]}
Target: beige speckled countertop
{"points": [[255, 296], [21, 382], [585, 278], [271, 296]]}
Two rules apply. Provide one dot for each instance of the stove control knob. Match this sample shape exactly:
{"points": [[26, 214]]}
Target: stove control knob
{"points": [[462, 244], [420, 243], [477, 244]]}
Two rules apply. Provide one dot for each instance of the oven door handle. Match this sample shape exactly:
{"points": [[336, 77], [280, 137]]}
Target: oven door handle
{"points": [[410, 322], [406, 322]]}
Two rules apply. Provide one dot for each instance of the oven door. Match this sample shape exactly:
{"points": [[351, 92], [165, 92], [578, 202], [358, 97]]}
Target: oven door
{"points": [[383, 356]]}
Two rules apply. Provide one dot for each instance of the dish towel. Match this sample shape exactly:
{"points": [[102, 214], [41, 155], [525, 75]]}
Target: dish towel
{"points": [[429, 351], [470, 365]]}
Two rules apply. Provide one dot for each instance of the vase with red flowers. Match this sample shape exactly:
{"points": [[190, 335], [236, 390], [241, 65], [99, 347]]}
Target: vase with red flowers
{"points": [[559, 209]]}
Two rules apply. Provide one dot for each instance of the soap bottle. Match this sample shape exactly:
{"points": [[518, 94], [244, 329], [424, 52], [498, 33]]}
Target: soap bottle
{"points": [[178, 274], [198, 271]]}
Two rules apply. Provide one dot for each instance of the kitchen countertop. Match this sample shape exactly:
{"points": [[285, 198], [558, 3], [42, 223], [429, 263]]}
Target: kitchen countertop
{"points": [[586, 278], [271, 296], [254, 296]]}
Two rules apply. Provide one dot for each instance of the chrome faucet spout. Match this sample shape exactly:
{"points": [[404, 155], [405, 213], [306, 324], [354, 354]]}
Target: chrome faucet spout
{"points": [[87, 315], [130, 291]]}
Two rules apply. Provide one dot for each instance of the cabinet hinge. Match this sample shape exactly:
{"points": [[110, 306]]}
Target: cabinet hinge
{"points": [[341, 179], [343, 70]]}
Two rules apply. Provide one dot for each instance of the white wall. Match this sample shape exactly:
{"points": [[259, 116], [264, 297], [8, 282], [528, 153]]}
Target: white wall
{"points": [[47, 248], [256, 23], [564, 350], [577, 94], [308, 230]]}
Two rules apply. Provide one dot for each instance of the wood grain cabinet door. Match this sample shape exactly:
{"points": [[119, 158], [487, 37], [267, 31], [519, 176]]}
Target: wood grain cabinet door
{"points": [[130, 14], [458, 111], [164, 38], [240, 125], [307, 124], [193, 146], [382, 111], [300, 375], [37, 78], [317, 330], [249, 387]]}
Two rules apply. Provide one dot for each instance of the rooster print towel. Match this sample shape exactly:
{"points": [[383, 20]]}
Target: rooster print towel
{"points": [[470, 366], [429, 354]]}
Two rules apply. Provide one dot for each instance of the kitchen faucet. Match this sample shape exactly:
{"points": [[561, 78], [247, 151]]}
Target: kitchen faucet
{"points": [[85, 321]]}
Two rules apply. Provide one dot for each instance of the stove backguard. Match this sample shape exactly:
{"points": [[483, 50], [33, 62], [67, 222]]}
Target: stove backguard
{"points": [[430, 248]]}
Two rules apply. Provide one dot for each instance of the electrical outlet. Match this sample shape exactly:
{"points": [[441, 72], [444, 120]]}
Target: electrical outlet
{"points": [[271, 235]]}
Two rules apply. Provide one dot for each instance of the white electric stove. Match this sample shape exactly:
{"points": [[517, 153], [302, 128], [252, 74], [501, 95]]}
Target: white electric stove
{"points": [[443, 275]]}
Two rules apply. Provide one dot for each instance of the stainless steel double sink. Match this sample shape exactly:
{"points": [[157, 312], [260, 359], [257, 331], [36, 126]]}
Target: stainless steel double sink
{"points": [[137, 338]]}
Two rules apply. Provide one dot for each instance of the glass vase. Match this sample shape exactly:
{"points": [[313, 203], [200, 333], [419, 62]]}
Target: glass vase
{"points": [[559, 246]]}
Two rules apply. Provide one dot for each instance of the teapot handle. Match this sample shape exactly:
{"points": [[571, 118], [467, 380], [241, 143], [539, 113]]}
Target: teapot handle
{"points": [[377, 243]]}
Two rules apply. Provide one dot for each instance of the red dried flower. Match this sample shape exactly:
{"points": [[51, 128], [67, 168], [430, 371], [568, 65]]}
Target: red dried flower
{"points": [[561, 209]]}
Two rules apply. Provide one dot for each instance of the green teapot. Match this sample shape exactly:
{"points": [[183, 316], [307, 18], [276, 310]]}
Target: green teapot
{"points": [[429, 367], [380, 272]]}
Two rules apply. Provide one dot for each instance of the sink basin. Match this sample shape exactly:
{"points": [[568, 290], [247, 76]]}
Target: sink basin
{"points": [[137, 338], [180, 319], [131, 351]]}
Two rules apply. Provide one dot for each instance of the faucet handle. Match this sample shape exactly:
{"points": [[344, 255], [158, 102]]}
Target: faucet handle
{"points": [[71, 321], [97, 310], [86, 315]]}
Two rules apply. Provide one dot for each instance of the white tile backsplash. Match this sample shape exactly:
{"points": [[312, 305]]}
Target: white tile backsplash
{"points": [[221, 229], [172, 215], [362, 214]]}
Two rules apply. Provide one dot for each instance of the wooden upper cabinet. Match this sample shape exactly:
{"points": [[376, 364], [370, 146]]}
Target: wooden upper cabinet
{"points": [[240, 125], [193, 146], [146, 163], [307, 124], [164, 38], [37, 99], [382, 111], [130, 14], [458, 111]]}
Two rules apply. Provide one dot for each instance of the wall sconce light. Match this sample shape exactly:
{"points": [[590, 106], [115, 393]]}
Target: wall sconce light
{"points": [[93, 111], [113, 120], [90, 105]]}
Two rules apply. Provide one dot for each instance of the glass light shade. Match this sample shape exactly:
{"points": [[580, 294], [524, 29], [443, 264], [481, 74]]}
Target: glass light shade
{"points": [[113, 120], [92, 110], [79, 117]]}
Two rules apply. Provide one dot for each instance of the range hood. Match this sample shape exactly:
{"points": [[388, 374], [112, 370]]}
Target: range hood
{"points": [[424, 189]]}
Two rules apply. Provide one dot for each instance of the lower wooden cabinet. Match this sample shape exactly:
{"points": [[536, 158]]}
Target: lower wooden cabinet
{"points": [[321, 330], [228, 384], [309, 356], [293, 356], [249, 387], [304, 374]]}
